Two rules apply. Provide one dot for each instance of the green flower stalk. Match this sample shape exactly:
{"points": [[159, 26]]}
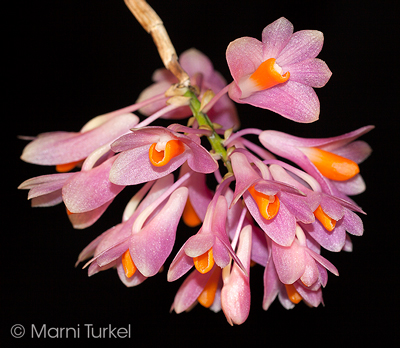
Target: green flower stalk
{"points": [[202, 119]]}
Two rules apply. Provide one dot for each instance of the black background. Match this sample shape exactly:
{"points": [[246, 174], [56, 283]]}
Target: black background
{"points": [[70, 60]]}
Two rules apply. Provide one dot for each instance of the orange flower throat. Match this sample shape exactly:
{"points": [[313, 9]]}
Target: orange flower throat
{"points": [[268, 205], [173, 148]]}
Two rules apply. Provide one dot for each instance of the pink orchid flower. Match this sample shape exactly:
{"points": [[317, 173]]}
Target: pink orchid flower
{"points": [[279, 72], [202, 73], [86, 194], [150, 245], [209, 246], [203, 288], [67, 149], [298, 261], [152, 152], [274, 205], [199, 197], [333, 215], [139, 246], [333, 163], [291, 294], [335, 158], [314, 274], [235, 293], [45, 190], [335, 239], [273, 287], [107, 249]]}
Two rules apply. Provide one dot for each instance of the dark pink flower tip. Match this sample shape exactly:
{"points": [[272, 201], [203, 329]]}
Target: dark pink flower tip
{"points": [[279, 72]]}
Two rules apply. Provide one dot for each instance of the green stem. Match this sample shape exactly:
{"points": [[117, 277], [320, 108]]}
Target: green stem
{"points": [[202, 119]]}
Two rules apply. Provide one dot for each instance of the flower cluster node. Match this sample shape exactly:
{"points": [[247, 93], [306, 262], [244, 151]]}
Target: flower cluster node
{"points": [[178, 100], [176, 89], [263, 212]]}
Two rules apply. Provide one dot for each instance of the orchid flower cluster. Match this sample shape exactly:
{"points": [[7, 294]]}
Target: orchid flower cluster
{"points": [[277, 213]]}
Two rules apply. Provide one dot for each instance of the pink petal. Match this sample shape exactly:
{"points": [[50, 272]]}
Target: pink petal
{"points": [[152, 245], [89, 190], [353, 186], [289, 262], [313, 298], [47, 183], [323, 261], [348, 245], [244, 55], [311, 273], [163, 74], [302, 45], [112, 253], [271, 188], [271, 284], [136, 279], [323, 275], [275, 37], [45, 190], [190, 290], [221, 255], [280, 139], [199, 194], [47, 200], [311, 72], [84, 220], [180, 265], [134, 167], [193, 62], [332, 241], [298, 207], [199, 158], [358, 151], [259, 251], [218, 228], [151, 91], [245, 175], [95, 268], [233, 216], [353, 223], [199, 244], [66, 147], [113, 244], [235, 294], [281, 229], [141, 137], [312, 198], [292, 100], [157, 189], [284, 298], [332, 208]]}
